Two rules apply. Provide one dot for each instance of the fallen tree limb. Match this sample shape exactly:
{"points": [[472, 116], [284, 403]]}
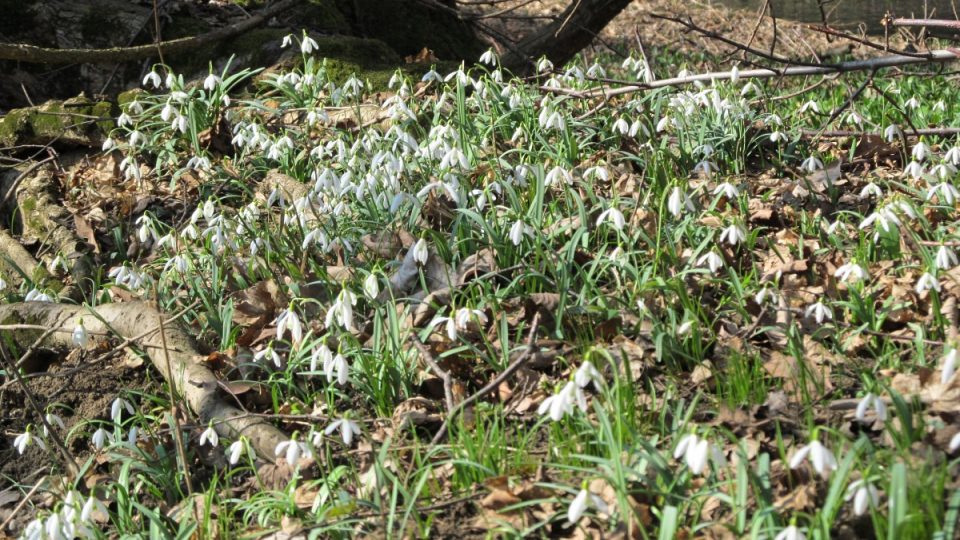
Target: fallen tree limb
{"points": [[191, 379], [40, 55], [931, 23], [920, 132], [896, 60]]}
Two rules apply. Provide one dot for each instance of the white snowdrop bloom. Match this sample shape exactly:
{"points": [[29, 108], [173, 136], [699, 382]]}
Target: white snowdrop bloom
{"points": [[287, 40], [949, 365], [135, 137], [100, 438], [621, 126], [587, 374], [597, 172], [946, 258], [211, 82], [871, 190], [420, 252], [3, 284], [697, 453], [851, 273], [927, 282], [371, 286], [912, 103], [562, 403], [168, 112], [663, 124], [939, 106], [920, 151], [209, 435], [464, 317], [614, 216], [945, 193], [791, 533], [705, 167], [170, 80], [810, 106], [678, 201], [308, 45], [864, 495], [733, 235], [820, 458], [819, 311], [153, 78], [489, 58], [777, 136], [544, 65], [288, 320], [914, 170], [748, 89], [892, 133], [236, 450], [582, 502], [734, 74], [954, 443], [875, 402], [432, 76], [953, 156], [320, 357], [53, 420], [341, 311], [92, 505], [337, 367], [518, 230], [118, 406], [728, 190], [944, 171], [854, 118], [712, 261], [766, 294], [124, 120], [811, 164], [348, 430], [108, 144], [270, 354], [558, 175], [80, 337], [25, 439], [292, 451]]}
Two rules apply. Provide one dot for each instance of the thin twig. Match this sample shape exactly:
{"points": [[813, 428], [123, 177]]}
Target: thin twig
{"points": [[440, 372], [507, 373], [21, 504]]}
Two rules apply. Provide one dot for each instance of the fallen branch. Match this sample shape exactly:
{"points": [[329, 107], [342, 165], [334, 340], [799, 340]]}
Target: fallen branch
{"points": [[41, 55], [930, 23], [189, 377], [896, 60], [920, 132]]}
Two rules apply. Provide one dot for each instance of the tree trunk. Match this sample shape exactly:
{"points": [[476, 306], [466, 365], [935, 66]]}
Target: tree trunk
{"points": [[567, 35]]}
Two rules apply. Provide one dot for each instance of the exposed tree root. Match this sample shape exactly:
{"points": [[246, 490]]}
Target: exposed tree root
{"points": [[191, 380], [16, 262]]}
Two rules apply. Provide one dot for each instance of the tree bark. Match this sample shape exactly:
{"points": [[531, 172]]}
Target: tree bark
{"points": [[562, 39]]}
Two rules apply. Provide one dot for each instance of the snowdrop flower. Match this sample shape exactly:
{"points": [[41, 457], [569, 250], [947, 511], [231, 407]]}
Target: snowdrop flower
{"points": [[819, 311], [100, 437], [341, 311], [864, 495], [820, 458], [108, 144], [791, 533], [3, 284], [288, 319], [944, 171], [953, 156], [728, 190], [544, 65], [871, 190], [854, 118], [851, 273], [268, 352], [949, 365], [614, 216], [766, 294], [518, 230], [420, 252], [874, 401], [557, 175], [489, 58], [733, 235], [209, 435], [211, 82], [892, 133], [52, 420], [810, 106], [945, 192], [913, 169], [371, 287], [80, 337], [677, 201], [561, 404], [152, 78], [348, 429], [697, 452], [587, 374], [920, 151], [778, 136], [927, 282], [118, 406], [621, 126], [432, 76], [337, 367], [713, 261], [236, 450], [734, 74], [581, 502], [811, 164], [292, 451], [25, 439], [35, 295], [946, 258], [308, 45], [954, 443]]}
